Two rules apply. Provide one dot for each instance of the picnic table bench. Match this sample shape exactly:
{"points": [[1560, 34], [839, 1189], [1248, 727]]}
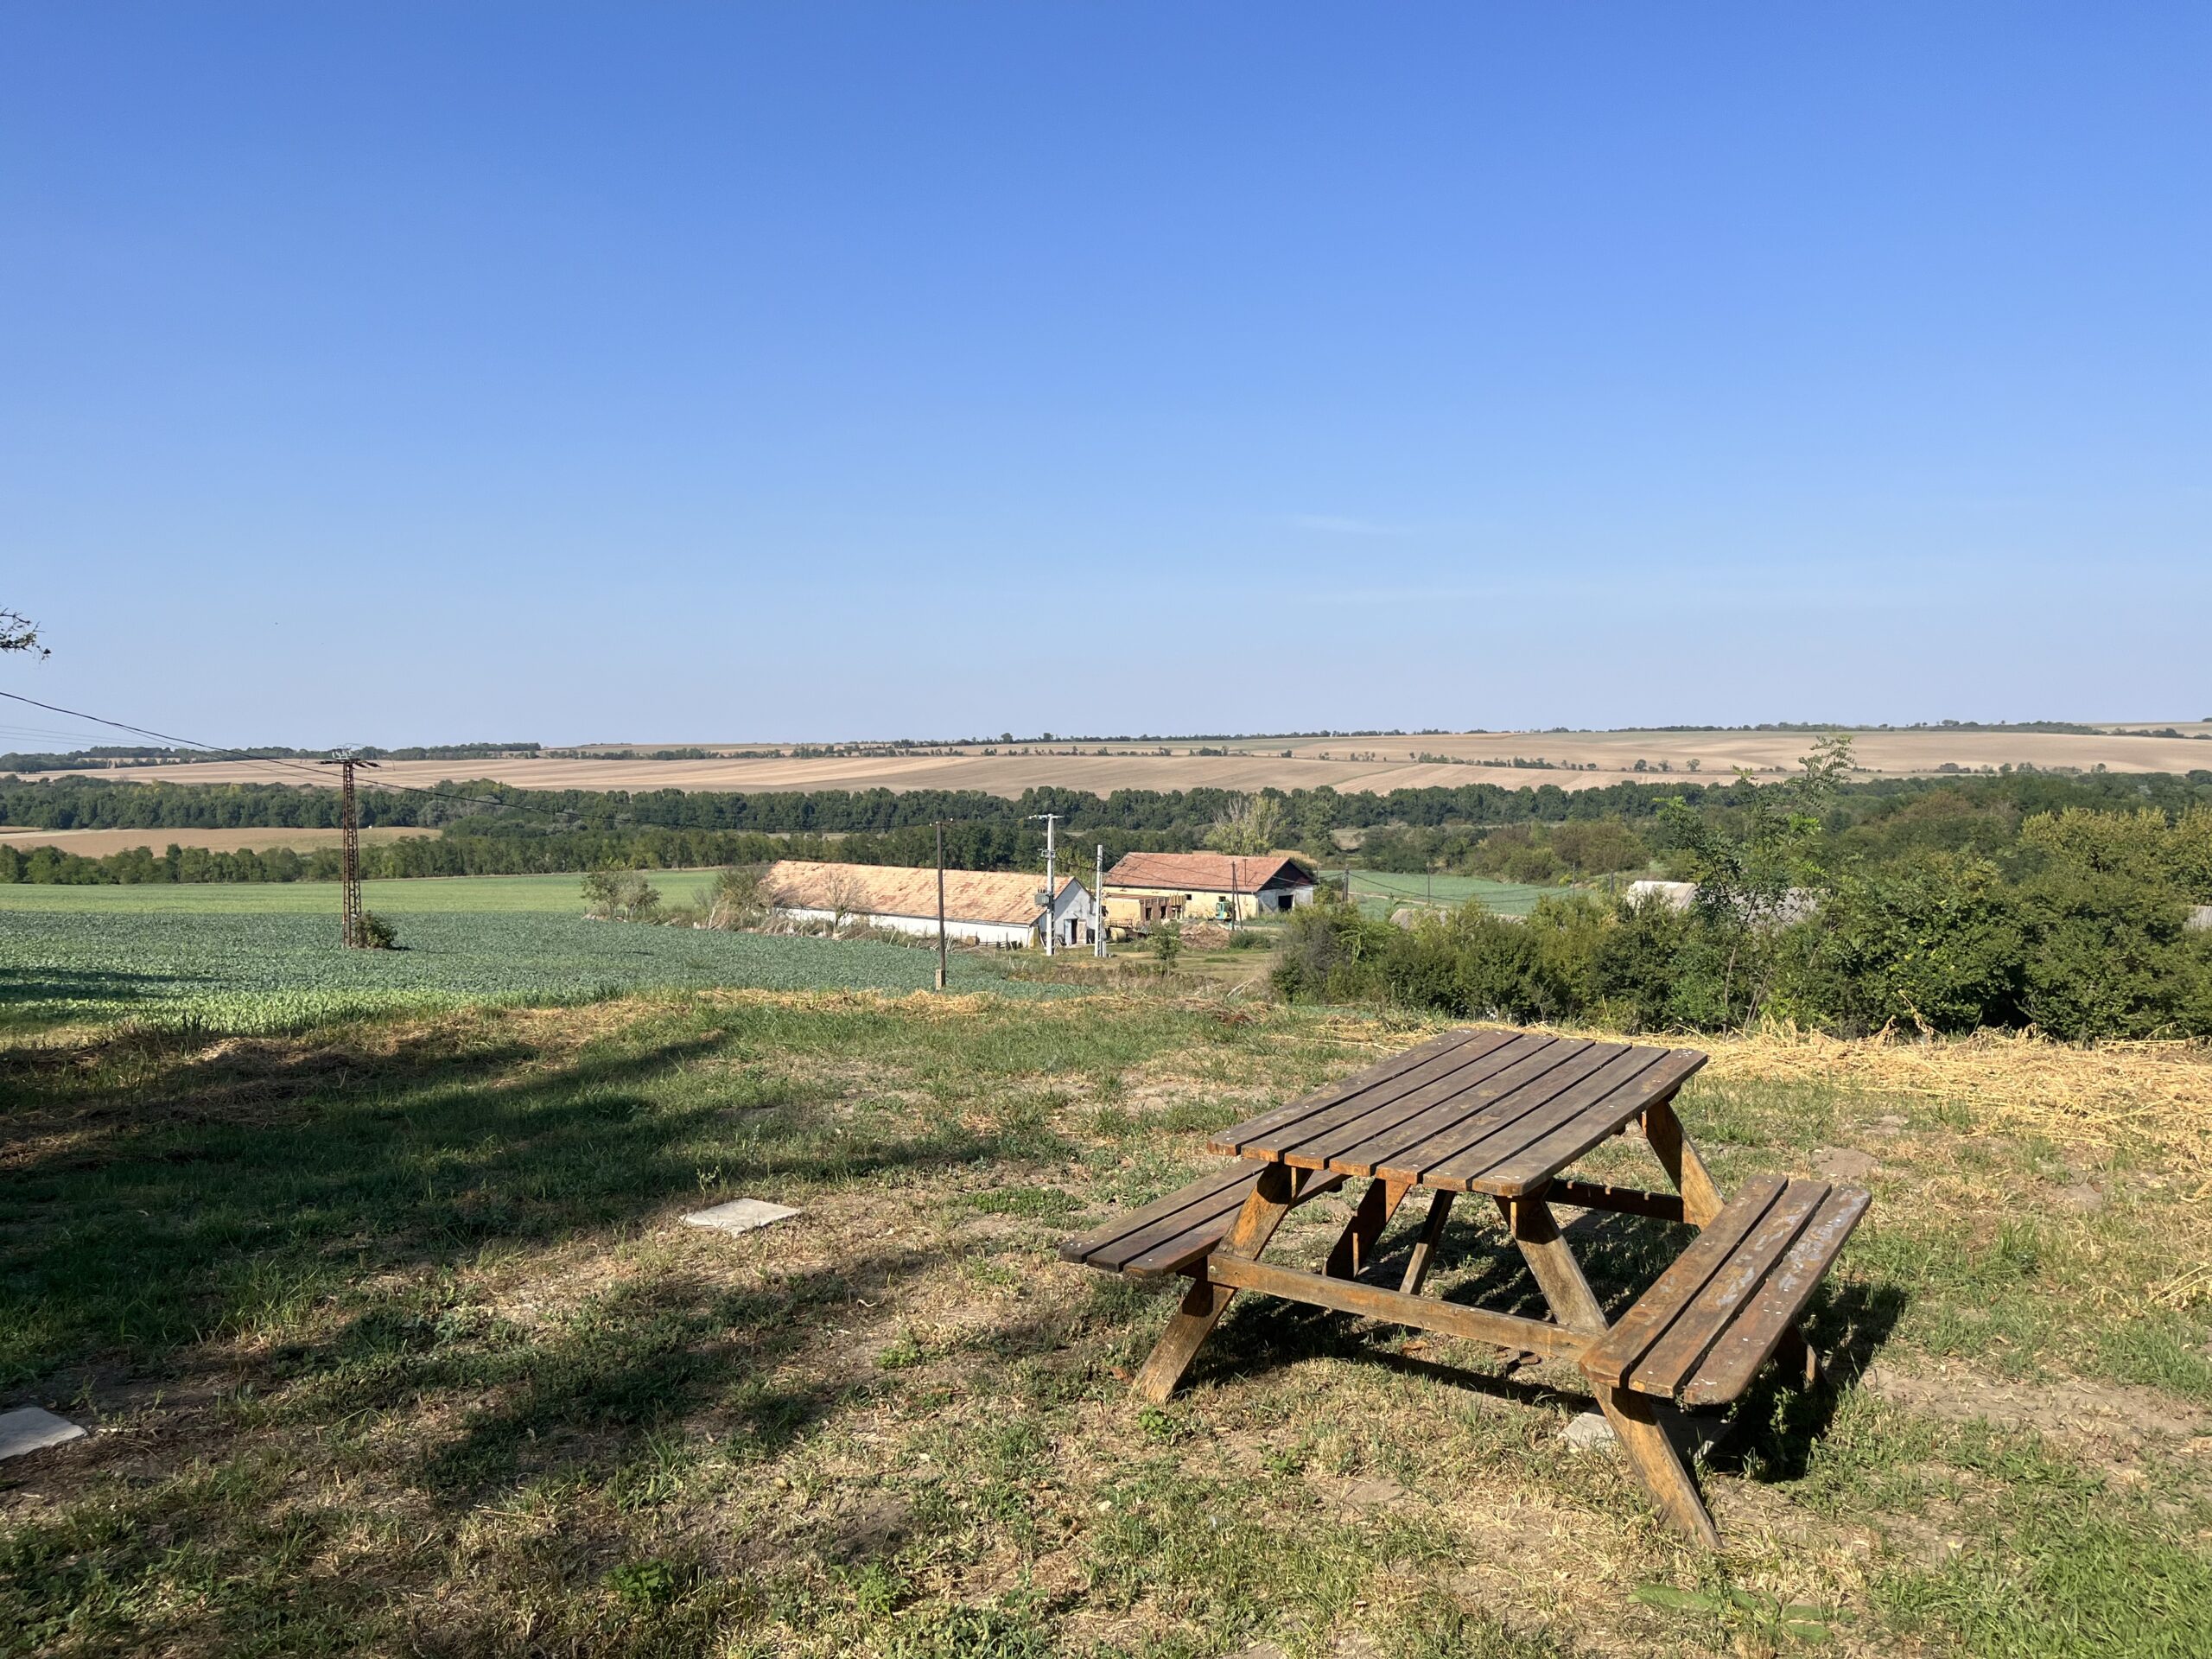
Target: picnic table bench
{"points": [[1503, 1114]]}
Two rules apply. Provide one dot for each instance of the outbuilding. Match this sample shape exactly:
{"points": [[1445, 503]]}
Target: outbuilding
{"points": [[998, 907], [1145, 889]]}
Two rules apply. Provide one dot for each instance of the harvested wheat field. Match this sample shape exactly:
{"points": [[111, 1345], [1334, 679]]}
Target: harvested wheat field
{"points": [[415, 1355], [1376, 764], [98, 843]]}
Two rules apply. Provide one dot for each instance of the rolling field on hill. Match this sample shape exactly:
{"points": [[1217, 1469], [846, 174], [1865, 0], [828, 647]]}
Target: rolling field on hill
{"points": [[1576, 760]]}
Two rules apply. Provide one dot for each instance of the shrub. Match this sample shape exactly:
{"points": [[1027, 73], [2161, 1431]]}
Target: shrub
{"points": [[1938, 944], [1168, 942], [620, 895], [737, 900], [377, 933]]}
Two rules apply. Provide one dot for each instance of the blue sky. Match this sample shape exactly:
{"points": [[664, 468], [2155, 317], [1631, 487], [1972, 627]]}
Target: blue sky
{"points": [[676, 372]]}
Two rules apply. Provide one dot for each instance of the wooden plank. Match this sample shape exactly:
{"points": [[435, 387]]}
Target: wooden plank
{"points": [[1372, 1301], [1476, 1145], [1619, 1200], [1695, 1330], [1651, 1453], [1256, 1223], [1539, 1162], [1500, 1098], [1643, 1324], [1432, 1232], [1558, 1274], [1399, 1098], [1768, 1321], [1186, 1249], [1355, 1248], [1663, 1127], [1658, 1464], [1277, 1117], [1497, 1073], [1082, 1246]]}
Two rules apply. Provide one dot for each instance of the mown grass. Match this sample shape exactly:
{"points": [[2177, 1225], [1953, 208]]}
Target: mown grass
{"points": [[393, 1343]]}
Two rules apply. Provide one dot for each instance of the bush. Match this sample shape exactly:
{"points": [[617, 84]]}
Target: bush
{"points": [[737, 900], [377, 934], [620, 895], [1168, 942]]}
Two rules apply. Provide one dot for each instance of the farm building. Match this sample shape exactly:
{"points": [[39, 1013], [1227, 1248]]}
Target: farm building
{"points": [[1146, 888], [981, 906]]}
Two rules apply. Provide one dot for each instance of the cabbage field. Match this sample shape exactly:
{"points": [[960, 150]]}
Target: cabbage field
{"points": [[281, 968]]}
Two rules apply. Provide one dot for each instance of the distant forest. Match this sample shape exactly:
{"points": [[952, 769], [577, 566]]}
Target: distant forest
{"points": [[488, 828]]}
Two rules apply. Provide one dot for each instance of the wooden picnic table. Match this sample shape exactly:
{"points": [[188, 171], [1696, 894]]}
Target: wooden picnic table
{"points": [[1504, 1114]]}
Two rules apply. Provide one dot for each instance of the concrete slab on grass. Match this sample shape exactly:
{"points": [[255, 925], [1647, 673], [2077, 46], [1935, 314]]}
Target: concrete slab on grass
{"points": [[740, 1215], [26, 1428]]}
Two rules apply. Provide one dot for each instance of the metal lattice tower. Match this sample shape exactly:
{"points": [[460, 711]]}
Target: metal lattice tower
{"points": [[351, 928]]}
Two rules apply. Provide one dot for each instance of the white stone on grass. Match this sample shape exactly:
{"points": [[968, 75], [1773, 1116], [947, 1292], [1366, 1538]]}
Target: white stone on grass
{"points": [[26, 1428], [1588, 1432], [740, 1215]]}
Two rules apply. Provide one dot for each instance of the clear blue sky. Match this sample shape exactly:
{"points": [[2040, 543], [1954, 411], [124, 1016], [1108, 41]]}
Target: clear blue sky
{"points": [[669, 371]]}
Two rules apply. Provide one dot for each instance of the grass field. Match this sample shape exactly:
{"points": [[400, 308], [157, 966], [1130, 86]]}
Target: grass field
{"points": [[265, 957], [392, 1343], [1383, 893]]}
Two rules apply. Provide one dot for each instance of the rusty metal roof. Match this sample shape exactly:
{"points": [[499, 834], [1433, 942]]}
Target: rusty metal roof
{"points": [[1207, 872], [1004, 896]]}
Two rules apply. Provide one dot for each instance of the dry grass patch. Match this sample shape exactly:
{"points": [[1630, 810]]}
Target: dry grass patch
{"points": [[424, 1362]]}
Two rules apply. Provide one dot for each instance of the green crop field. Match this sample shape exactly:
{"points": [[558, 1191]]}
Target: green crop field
{"points": [[207, 955], [1381, 893]]}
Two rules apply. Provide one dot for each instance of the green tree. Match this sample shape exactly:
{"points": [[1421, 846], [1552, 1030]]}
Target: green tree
{"points": [[1250, 825], [1751, 876]]}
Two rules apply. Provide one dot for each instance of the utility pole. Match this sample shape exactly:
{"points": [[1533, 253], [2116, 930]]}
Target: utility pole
{"points": [[940, 903], [1051, 920], [351, 931], [1098, 907]]}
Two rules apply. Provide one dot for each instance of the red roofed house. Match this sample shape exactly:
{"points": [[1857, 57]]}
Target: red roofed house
{"points": [[1147, 888]]}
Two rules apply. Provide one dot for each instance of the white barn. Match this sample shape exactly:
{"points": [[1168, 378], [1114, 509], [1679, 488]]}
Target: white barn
{"points": [[981, 906]]}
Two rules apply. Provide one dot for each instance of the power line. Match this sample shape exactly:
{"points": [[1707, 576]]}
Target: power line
{"points": [[217, 751]]}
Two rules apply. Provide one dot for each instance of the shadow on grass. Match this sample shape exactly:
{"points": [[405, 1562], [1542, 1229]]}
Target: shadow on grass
{"points": [[257, 1192], [42, 984], [1771, 1431]]}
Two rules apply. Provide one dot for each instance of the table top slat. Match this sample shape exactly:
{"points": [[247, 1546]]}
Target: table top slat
{"points": [[1404, 1149], [1540, 1161], [1616, 1353], [1344, 1089], [1515, 1121], [1677, 1354], [1265, 1137], [1499, 1072]]}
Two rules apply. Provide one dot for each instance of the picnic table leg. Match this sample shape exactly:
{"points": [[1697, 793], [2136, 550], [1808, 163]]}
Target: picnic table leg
{"points": [[1702, 1199], [1202, 1308], [1355, 1248], [1439, 1211], [1653, 1456]]}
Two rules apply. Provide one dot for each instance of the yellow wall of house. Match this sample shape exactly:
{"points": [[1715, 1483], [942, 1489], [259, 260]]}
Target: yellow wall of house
{"points": [[1124, 905]]}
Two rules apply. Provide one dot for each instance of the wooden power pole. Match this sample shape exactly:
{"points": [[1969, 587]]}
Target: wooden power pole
{"points": [[350, 929]]}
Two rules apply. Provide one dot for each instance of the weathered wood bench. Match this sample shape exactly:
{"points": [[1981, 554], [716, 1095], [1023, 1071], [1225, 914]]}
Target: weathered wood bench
{"points": [[1731, 1299], [1175, 1233]]}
